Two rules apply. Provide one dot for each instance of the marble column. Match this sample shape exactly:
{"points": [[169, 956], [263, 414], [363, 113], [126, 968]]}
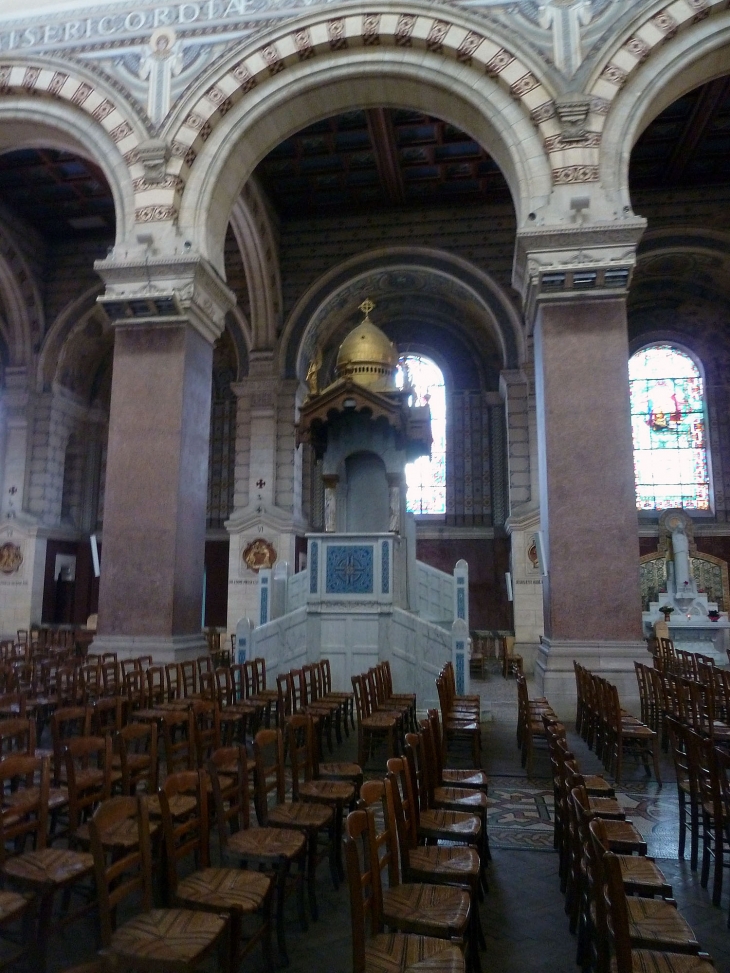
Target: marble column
{"points": [[589, 528], [151, 585]]}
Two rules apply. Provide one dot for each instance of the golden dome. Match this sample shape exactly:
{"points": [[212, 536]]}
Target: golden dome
{"points": [[367, 356]]}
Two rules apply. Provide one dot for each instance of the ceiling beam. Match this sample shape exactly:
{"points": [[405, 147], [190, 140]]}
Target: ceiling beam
{"points": [[705, 110], [382, 137]]}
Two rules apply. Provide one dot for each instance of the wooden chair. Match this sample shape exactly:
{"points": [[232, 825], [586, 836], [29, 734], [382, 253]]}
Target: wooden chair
{"points": [[310, 819], [384, 682], [460, 721], [236, 716], [436, 864], [136, 757], [688, 790], [470, 777], [632, 735], [177, 940], [378, 951], [236, 892], [715, 825], [632, 953], [345, 699], [413, 907], [334, 794], [371, 727], [434, 824], [530, 719], [17, 736], [88, 763], [41, 871], [276, 849]]}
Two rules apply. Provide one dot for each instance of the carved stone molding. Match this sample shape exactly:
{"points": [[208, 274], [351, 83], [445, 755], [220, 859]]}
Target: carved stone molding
{"points": [[576, 262], [165, 291]]}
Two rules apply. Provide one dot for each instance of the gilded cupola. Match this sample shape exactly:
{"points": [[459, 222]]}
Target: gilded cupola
{"points": [[367, 356]]}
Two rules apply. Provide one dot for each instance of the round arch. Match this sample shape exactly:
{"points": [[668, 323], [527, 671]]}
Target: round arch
{"points": [[320, 309], [93, 126], [693, 57], [215, 151]]}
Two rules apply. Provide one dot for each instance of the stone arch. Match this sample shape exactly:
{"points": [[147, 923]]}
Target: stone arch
{"points": [[273, 87], [445, 277], [49, 102], [670, 51], [254, 232], [21, 300], [71, 321]]}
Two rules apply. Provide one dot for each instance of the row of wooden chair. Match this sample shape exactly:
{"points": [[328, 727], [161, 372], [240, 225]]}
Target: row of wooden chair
{"points": [[382, 715], [530, 725], [703, 793], [609, 729], [432, 890], [460, 715], [618, 916]]}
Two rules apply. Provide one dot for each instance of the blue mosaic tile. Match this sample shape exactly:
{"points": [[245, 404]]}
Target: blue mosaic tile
{"points": [[385, 567], [349, 569], [314, 567]]}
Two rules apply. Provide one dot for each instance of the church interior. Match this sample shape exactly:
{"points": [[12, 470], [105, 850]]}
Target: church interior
{"points": [[201, 204]]}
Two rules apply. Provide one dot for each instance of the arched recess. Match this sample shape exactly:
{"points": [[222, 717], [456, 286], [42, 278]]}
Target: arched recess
{"points": [[55, 105], [272, 88], [411, 284], [641, 79], [77, 331], [253, 228]]}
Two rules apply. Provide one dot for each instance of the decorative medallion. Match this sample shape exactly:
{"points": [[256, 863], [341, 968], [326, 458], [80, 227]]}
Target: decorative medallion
{"points": [[259, 555], [532, 556], [11, 557]]}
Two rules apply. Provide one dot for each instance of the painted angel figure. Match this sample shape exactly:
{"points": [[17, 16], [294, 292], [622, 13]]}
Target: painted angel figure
{"points": [[163, 62]]}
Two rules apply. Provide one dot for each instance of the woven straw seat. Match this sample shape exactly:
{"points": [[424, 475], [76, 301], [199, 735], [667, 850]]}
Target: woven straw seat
{"points": [[169, 935], [655, 924], [11, 905], [641, 876], [299, 815], [417, 907], [396, 953], [647, 961], [455, 864]]}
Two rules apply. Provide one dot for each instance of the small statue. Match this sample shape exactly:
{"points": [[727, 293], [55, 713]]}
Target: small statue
{"points": [[313, 373], [680, 550]]}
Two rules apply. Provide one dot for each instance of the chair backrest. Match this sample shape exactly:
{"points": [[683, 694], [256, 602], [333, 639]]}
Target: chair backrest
{"points": [[703, 761], [300, 734], [106, 715], [178, 734], [722, 767], [185, 834], [385, 842], [284, 701], [360, 698], [238, 681], [91, 680], [86, 791], [135, 689], [311, 682], [326, 676], [249, 679], [419, 772], [396, 820], [133, 743], [26, 820], [260, 674], [207, 726], [174, 681], [231, 797], [189, 676], [17, 736], [366, 896], [110, 677], [224, 686], [156, 685], [120, 876], [268, 751], [616, 909], [66, 723], [299, 694], [409, 786]]}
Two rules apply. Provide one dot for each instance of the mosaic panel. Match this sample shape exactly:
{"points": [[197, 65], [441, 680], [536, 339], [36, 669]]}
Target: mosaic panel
{"points": [[349, 569]]}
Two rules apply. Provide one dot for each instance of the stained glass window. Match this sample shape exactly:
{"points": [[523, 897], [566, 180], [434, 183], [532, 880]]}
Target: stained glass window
{"points": [[426, 478], [669, 430]]}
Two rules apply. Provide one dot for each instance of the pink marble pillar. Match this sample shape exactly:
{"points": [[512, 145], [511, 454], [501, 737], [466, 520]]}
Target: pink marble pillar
{"points": [[587, 497], [156, 488]]}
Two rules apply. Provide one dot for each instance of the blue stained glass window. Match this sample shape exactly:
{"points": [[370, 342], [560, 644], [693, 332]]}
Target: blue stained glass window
{"points": [[669, 430], [426, 478]]}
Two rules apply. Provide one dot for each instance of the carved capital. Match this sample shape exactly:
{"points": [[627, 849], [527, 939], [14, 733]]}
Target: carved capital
{"points": [[558, 263], [153, 154], [573, 111], [165, 290]]}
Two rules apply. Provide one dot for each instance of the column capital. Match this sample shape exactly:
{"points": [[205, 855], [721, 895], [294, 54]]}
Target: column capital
{"points": [[575, 263], [165, 290]]}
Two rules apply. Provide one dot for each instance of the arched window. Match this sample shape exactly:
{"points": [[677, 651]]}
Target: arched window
{"points": [[426, 478], [669, 430]]}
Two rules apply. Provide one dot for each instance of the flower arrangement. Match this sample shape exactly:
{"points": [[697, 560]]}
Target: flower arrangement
{"points": [[666, 609]]}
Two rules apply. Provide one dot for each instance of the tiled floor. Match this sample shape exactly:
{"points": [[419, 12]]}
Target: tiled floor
{"points": [[522, 915]]}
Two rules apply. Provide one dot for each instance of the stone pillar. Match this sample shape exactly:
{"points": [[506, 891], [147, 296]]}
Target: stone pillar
{"points": [[267, 516], [151, 584], [588, 518]]}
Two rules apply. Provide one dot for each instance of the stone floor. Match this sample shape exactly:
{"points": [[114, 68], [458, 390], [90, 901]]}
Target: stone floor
{"points": [[523, 918]]}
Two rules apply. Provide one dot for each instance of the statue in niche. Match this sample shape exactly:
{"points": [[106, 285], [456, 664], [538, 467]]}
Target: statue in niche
{"points": [[163, 61], [680, 552], [313, 374]]}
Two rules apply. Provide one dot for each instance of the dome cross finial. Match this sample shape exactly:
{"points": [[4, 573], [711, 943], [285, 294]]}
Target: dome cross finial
{"points": [[366, 307]]}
